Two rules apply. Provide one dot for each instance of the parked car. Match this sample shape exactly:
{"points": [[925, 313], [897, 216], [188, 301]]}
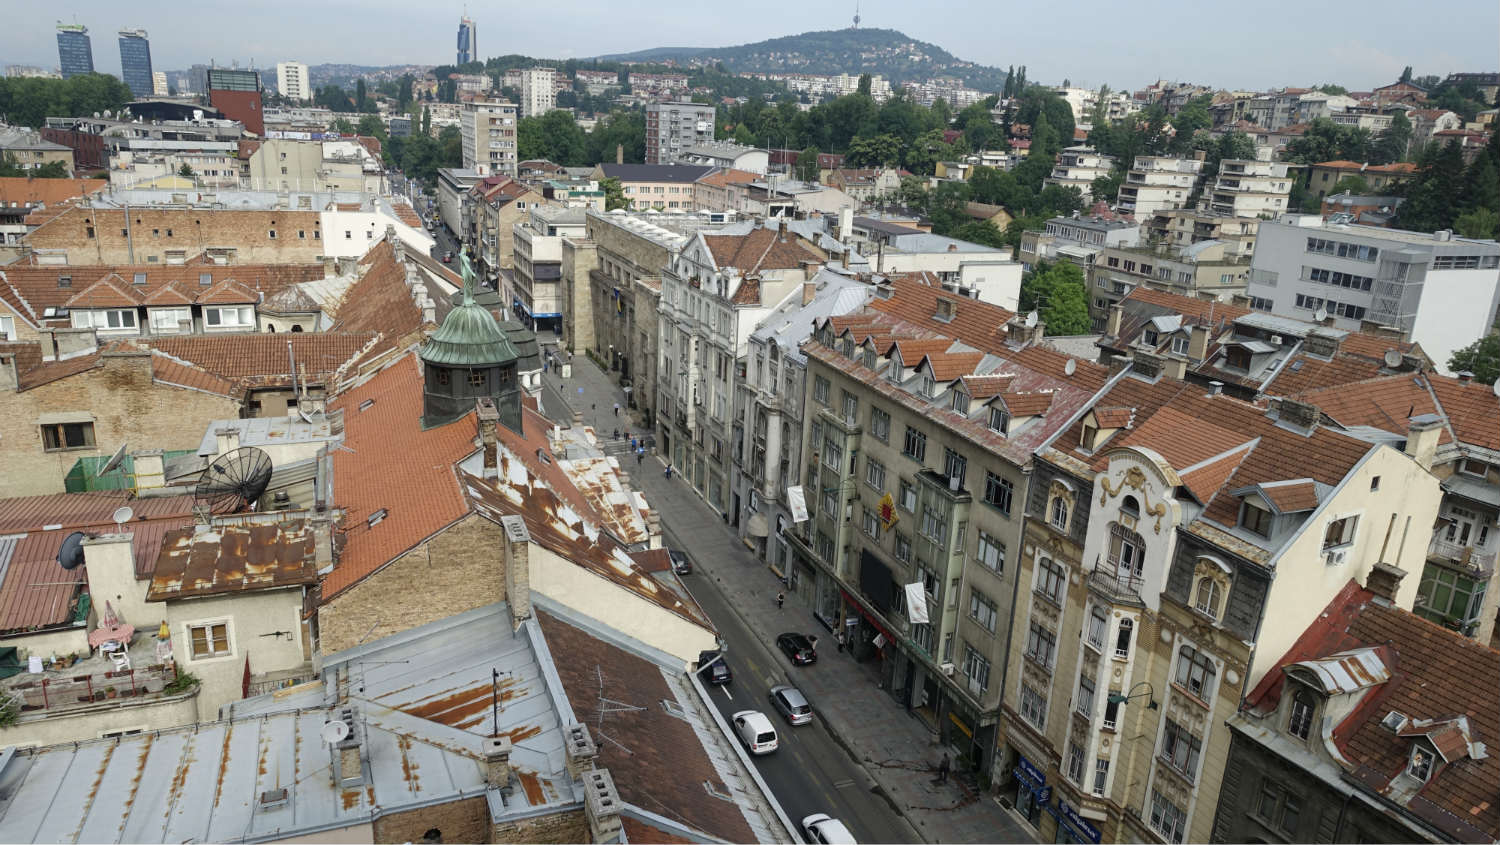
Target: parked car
{"points": [[755, 731], [823, 828], [680, 563], [792, 704], [719, 672], [799, 647]]}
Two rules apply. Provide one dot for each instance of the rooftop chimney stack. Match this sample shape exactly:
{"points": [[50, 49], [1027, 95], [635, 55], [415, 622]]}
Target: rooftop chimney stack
{"points": [[1422, 434], [497, 762], [601, 805], [580, 750], [517, 571], [489, 422], [1384, 581]]}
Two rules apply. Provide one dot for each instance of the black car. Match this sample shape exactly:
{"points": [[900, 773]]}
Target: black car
{"points": [[799, 647], [719, 672], [680, 562]]}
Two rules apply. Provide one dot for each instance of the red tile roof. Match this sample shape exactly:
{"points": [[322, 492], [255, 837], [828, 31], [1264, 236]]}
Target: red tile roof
{"points": [[1295, 497], [389, 462], [252, 359], [1436, 674], [1028, 404], [761, 249], [228, 292], [109, 292], [25, 191], [38, 286], [1472, 408], [947, 366], [380, 303]]}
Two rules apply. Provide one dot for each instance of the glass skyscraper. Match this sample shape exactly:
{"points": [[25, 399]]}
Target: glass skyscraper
{"points": [[468, 41], [75, 53], [135, 62]]}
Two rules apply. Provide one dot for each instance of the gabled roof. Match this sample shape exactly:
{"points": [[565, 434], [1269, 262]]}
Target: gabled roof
{"points": [[233, 558], [228, 292], [28, 191], [253, 359], [109, 292], [37, 285], [380, 303], [760, 250], [1294, 496]]}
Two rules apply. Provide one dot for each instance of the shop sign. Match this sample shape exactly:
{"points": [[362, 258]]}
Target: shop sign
{"points": [[1079, 823]]}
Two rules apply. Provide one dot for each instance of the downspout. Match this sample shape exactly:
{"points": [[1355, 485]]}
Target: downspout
{"points": [[129, 238]]}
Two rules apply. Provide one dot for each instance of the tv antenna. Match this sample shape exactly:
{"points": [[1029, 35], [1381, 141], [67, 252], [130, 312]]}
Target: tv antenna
{"points": [[1071, 367], [609, 705], [1031, 319], [70, 554], [1320, 315], [856, 14], [233, 482], [114, 461], [1392, 358]]}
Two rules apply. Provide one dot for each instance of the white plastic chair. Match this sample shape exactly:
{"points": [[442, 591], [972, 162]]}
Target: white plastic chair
{"points": [[120, 658]]}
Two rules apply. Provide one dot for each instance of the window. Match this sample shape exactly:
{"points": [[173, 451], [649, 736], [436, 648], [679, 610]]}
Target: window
{"points": [[1469, 466], [998, 492], [1195, 672], [1101, 775], [851, 408], [825, 547], [1058, 513], [476, 378], [210, 640], [117, 319], [902, 548], [982, 610], [1126, 553], [1033, 707], [906, 498], [230, 316], [915, 446], [1111, 711], [1041, 645], [1122, 639], [1207, 597], [871, 523], [1299, 722], [875, 473], [999, 419], [820, 390], [880, 425], [169, 319], [1085, 703], [1179, 345], [935, 526], [1098, 624], [954, 466], [960, 402], [1075, 761], [990, 552], [1167, 818], [1255, 519], [1420, 765], [1050, 578], [59, 436], [1340, 532], [976, 669], [833, 455], [1180, 749]]}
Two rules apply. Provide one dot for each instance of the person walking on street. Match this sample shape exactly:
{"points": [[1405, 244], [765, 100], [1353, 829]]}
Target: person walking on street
{"points": [[668, 473], [942, 770], [617, 409], [780, 600], [838, 640], [640, 455]]}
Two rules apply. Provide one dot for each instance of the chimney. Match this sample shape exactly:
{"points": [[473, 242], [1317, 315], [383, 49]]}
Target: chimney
{"points": [[1384, 581], [781, 227], [411, 276], [809, 290], [109, 559], [1239, 300], [10, 377], [1197, 343], [580, 750], [227, 438], [60, 343], [330, 266], [1116, 316], [619, 153], [1323, 342], [1464, 376], [497, 762], [1304, 415], [601, 805], [348, 264], [322, 531], [846, 226], [150, 469], [351, 770], [653, 529], [1422, 434], [517, 571], [1175, 368], [1198, 155], [489, 422]]}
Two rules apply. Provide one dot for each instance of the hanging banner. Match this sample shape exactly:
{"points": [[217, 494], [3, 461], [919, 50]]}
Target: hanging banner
{"points": [[916, 603], [796, 503], [887, 510]]}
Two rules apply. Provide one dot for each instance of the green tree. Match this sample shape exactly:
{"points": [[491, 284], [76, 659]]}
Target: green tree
{"points": [[29, 101], [361, 101], [1482, 358], [981, 232], [1405, 74], [50, 170], [1355, 185], [614, 194], [881, 151], [1325, 140], [426, 122], [1481, 189], [864, 84], [342, 126], [1058, 292], [371, 126], [807, 164], [1479, 223], [1431, 197], [1107, 187], [186, 171], [1390, 146]]}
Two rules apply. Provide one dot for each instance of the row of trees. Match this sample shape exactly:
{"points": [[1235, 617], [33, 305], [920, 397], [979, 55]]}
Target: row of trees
{"points": [[557, 137], [29, 101], [1444, 194]]}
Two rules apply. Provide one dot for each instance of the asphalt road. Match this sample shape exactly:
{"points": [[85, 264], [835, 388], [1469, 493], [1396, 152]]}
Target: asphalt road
{"points": [[809, 772]]}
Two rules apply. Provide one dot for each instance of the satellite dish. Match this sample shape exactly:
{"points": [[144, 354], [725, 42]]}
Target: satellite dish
{"points": [[70, 554], [1496, 388], [122, 515], [334, 731], [1070, 368], [1321, 314], [114, 461], [1031, 318], [234, 481], [1392, 358]]}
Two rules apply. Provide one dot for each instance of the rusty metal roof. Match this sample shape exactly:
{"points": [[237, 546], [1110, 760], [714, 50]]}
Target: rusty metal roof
{"points": [[233, 558], [1348, 671]]}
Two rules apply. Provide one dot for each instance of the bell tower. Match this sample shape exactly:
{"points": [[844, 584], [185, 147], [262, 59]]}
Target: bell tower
{"points": [[469, 357]]}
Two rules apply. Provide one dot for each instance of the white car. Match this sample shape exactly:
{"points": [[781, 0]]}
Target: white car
{"points": [[823, 828], [755, 731]]}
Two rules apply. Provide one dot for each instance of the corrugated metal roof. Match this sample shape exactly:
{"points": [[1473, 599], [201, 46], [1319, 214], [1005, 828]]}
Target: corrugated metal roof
{"points": [[1348, 671], [76, 510], [232, 558]]}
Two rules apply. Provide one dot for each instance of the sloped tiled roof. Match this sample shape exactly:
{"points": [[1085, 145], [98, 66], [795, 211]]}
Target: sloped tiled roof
{"points": [[24, 191], [38, 284], [985, 387], [228, 292], [1293, 497], [1473, 411], [1028, 404], [389, 462], [761, 249], [253, 357], [380, 303], [109, 292], [947, 366]]}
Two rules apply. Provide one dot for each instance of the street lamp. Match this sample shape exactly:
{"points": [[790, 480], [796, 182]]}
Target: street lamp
{"points": [[1116, 698]]}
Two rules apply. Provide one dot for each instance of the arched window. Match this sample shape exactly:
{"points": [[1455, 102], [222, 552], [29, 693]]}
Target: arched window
{"points": [[271, 327], [1208, 597], [1195, 672], [296, 329], [1127, 551], [1130, 507], [1299, 721], [1059, 513]]}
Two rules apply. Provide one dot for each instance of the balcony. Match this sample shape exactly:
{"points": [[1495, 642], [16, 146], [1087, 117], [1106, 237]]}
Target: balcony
{"points": [[91, 684], [1475, 560], [1108, 578]]}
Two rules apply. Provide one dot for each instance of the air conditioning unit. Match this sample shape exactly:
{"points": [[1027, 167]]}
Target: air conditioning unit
{"points": [[947, 669], [1333, 558]]}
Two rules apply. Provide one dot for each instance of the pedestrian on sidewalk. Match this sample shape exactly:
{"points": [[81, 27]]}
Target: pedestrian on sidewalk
{"points": [[617, 409], [640, 455], [617, 434], [668, 473], [942, 769], [780, 600], [839, 640]]}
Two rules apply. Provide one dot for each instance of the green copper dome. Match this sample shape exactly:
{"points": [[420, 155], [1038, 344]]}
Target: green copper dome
{"points": [[468, 337], [524, 340]]}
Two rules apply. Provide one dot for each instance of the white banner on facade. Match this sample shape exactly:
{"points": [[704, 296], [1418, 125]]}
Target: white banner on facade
{"points": [[796, 503], [916, 603]]}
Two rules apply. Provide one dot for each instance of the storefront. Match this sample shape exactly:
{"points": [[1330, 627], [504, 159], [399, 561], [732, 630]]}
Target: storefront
{"points": [[1032, 791], [1072, 827]]}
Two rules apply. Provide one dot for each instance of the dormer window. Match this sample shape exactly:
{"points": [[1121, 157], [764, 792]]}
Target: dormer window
{"points": [[929, 385], [1255, 519], [1089, 438], [1300, 718], [999, 419], [1420, 764], [960, 402], [1179, 345], [848, 347], [1058, 513], [1237, 358], [1151, 337], [870, 358], [1208, 597]]}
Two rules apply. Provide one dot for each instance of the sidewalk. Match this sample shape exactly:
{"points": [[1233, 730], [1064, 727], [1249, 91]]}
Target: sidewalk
{"points": [[897, 750]]}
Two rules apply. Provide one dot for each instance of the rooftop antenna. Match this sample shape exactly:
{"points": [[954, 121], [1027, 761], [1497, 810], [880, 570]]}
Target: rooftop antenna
{"points": [[609, 705], [122, 515], [495, 694]]}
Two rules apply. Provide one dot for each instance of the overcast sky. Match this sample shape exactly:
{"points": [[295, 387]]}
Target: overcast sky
{"points": [[1090, 42]]}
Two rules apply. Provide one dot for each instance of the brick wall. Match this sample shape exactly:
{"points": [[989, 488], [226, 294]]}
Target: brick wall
{"points": [[564, 827], [127, 406], [154, 231], [460, 569], [465, 820]]}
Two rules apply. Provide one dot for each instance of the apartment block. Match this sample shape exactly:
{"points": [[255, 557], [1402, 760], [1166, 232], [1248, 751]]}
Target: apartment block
{"points": [[538, 91], [673, 127], [1182, 227], [1205, 269], [292, 81], [1246, 188], [1078, 239], [487, 129], [537, 278], [1157, 183], [1441, 290], [1078, 167]]}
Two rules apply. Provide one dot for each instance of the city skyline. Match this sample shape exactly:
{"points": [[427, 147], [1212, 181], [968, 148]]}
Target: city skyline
{"points": [[1368, 51]]}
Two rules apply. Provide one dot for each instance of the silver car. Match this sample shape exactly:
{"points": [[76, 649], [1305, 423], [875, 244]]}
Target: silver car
{"points": [[792, 704]]}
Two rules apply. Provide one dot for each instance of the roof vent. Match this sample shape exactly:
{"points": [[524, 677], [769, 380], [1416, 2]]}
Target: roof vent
{"points": [[377, 517], [273, 798], [366, 404], [1394, 721]]}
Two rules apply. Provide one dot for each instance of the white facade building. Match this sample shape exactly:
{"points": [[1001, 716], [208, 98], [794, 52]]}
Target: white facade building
{"points": [[538, 94], [1078, 167], [1441, 290], [1250, 188], [1157, 183], [292, 81], [487, 130]]}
